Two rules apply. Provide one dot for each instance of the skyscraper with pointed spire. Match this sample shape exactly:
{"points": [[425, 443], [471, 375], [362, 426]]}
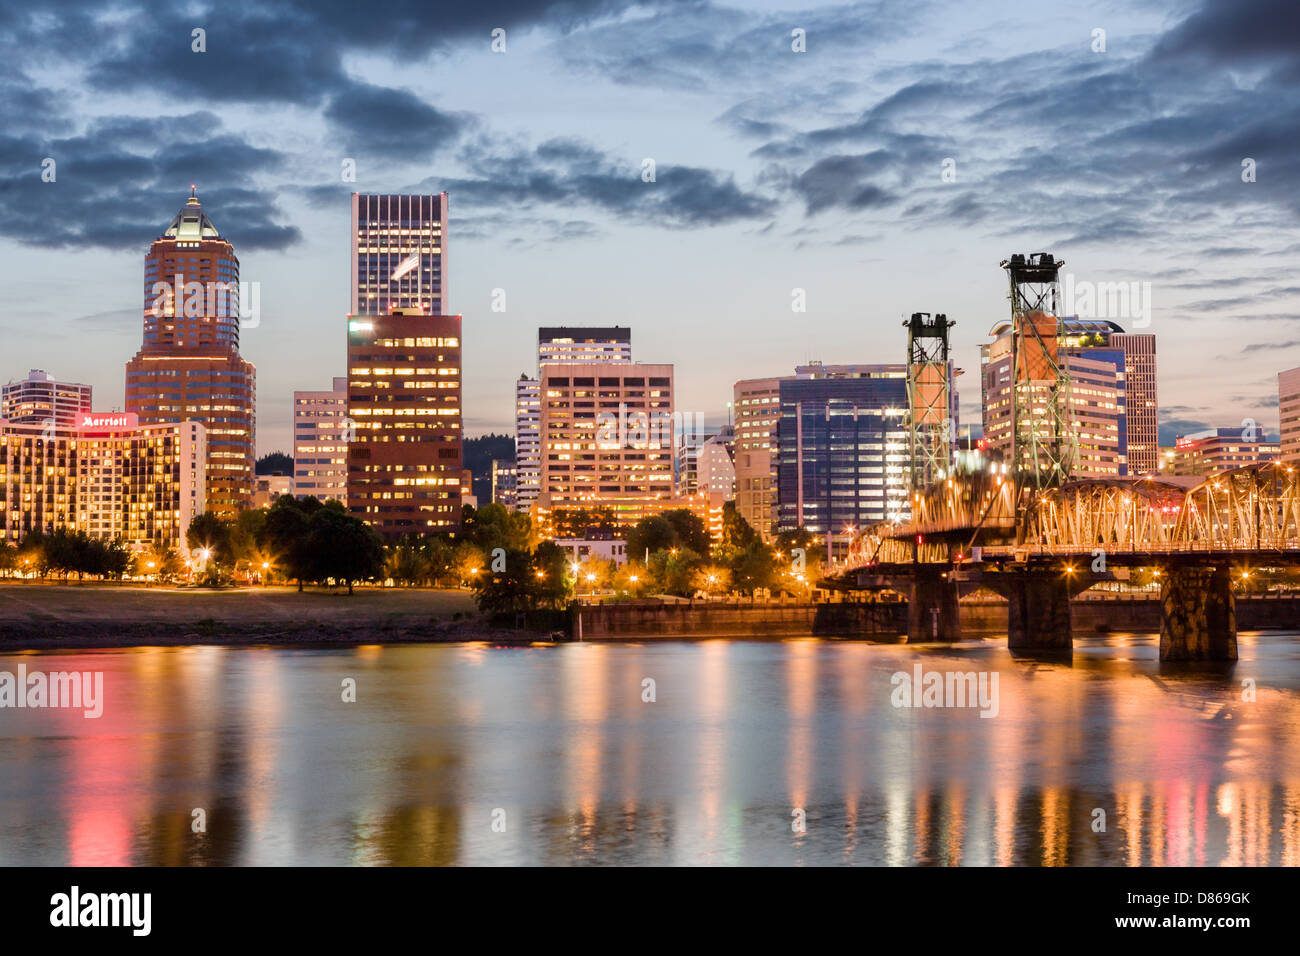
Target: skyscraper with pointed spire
{"points": [[189, 367]]}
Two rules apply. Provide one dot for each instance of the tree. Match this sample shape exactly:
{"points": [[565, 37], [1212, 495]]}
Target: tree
{"points": [[407, 562], [510, 590], [283, 536], [551, 569], [276, 462], [633, 579], [245, 537], [743, 552], [690, 528], [468, 561], [711, 579], [797, 560], [649, 535], [212, 533], [33, 555], [343, 547], [672, 570], [495, 526]]}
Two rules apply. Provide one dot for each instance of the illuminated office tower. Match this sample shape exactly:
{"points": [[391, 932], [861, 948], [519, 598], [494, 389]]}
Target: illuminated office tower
{"points": [[757, 407], [607, 439], [189, 367], [320, 443], [399, 254], [556, 344], [842, 452], [1288, 406], [404, 392]]}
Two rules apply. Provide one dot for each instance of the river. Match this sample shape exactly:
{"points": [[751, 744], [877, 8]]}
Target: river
{"points": [[750, 752]]}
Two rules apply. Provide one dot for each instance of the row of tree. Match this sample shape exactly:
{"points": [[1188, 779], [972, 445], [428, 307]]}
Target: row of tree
{"points": [[496, 552], [64, 553]]}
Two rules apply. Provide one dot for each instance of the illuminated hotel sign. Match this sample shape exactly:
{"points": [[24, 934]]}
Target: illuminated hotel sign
{"points": [[92, 421]]}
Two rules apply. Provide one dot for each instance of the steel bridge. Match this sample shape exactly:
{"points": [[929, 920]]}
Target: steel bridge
{"points": [[1039, 547]]}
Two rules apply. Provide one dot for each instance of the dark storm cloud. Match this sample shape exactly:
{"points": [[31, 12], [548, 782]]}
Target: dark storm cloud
{"points": [[571, 173], [1078, 147], [1236, 32], [277, 51], [848, 181], [119, 183], [378, 121]]}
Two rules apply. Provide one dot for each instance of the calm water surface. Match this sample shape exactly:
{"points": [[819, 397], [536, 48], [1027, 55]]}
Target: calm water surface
{"points": [[741, 734]]}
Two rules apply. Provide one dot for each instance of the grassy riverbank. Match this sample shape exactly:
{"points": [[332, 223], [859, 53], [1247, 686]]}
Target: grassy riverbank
{"points": [[44, 616]]}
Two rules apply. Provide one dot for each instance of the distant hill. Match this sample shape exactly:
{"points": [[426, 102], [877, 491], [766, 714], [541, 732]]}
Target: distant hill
{"points": [[276, 461], [478, 455]]}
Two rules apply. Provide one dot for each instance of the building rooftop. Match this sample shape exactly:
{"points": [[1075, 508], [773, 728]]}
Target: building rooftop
{"points": [[191, 223]]}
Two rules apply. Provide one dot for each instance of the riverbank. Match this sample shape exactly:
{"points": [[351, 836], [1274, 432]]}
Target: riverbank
{"points": [[37, 616]]}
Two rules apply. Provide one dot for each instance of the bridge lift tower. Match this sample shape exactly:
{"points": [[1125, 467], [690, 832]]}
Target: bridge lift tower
{"points": [[929, 398], [1042, 442]]}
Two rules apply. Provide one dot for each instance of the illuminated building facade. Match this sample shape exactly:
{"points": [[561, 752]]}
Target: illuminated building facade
{"points": [[39, 399], [842, 449], [108, 476], [189, 367], [607, 431], [757, 408], [321, 429], [399, 254], [404, 400]]}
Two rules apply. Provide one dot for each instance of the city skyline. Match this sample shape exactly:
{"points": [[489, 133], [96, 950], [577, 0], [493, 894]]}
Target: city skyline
{"points": [[791, 174]]}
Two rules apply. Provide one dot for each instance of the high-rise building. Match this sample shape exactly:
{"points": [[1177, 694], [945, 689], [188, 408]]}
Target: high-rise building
{"points": [[556, 344], [842, 449], [399, 254], [1288, 406], [189, 367], [564, 344], [108, 476], [1222, 449], [715, 472], [404, 398], [1096, 421], [1096, 413], [703, 463], [1141, 405], [40, 400], [504, 478], [757, 406], [607, 439], [528, 442], [320, 443]]}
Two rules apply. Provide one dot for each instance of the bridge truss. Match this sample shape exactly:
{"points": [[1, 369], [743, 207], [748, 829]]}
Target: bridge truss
{"points": [[1252, 511]]}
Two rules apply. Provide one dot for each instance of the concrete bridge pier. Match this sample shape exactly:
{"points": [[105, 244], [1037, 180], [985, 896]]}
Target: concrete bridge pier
{"points": [[1038, 610], [1198, 615], [933, 613]]}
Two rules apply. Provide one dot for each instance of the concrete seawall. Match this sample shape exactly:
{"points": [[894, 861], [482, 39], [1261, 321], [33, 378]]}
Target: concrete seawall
{"points": [[718, 619], [979, 618]]}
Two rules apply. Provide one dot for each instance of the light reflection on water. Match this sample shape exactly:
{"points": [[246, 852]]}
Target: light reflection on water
{"points": [[741, 734]]}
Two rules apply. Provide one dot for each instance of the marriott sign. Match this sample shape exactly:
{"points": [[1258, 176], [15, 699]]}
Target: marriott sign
{"points": [[96, 421]]}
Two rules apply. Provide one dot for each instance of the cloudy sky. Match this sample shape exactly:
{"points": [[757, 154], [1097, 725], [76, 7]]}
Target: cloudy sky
{"points": [[774, 170]]}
